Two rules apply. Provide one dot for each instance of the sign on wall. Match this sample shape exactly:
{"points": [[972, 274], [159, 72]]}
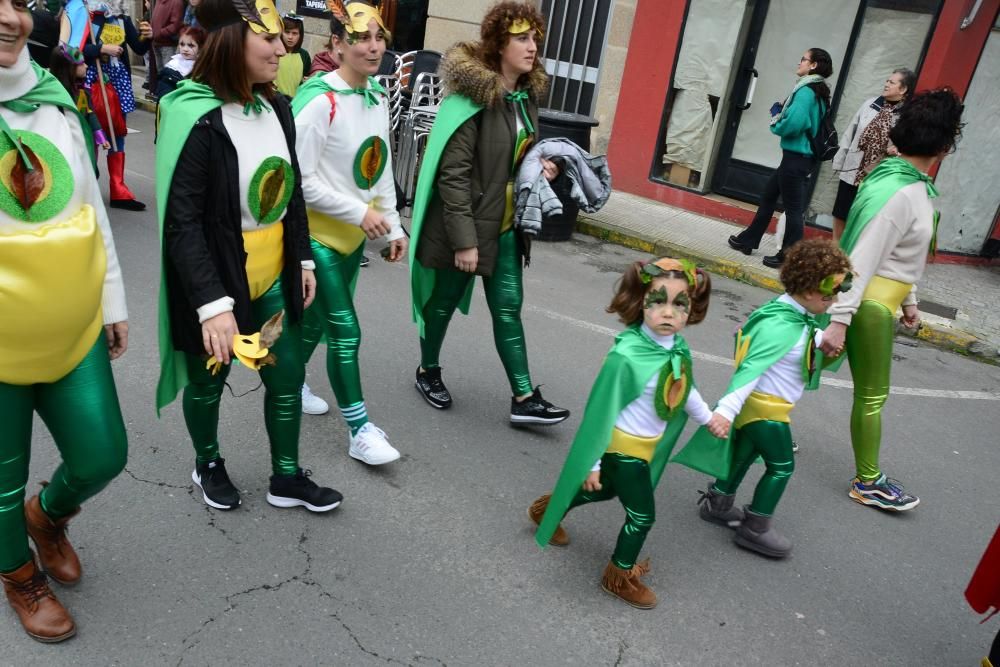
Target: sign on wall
{"points": [[315, 8]]}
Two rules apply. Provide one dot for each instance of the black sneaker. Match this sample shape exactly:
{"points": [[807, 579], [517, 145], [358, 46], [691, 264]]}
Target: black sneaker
{"points": [[299, 491], [536, 410], [365, 261], [216, 487], [431, 387]]}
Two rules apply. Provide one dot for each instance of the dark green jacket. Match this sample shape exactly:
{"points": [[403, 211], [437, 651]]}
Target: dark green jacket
{"points": [[467, 207]]}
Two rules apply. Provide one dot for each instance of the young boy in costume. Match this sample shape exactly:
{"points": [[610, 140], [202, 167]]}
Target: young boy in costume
{"points": [[636, 410], [775, 363]]}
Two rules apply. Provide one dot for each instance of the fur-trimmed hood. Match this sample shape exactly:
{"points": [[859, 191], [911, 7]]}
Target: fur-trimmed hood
{"points": [[463, 72]]}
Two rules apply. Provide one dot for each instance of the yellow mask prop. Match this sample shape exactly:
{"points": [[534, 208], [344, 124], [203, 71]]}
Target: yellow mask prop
{"points": [[253, 351]]}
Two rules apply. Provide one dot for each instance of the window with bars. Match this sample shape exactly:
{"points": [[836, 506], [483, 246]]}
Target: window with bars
{"points": [[575, 37]]}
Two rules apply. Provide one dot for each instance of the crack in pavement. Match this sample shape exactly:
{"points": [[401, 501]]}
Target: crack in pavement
{"points": [[304, 578], [621, 652], [152, 481]]}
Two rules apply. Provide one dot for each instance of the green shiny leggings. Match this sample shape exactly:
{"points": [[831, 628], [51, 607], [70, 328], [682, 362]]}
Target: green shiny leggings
{"points": [[81, 412], [773, 441], [282, 393], [628, 479], [504, 296], [333, 314], [869, 351]]}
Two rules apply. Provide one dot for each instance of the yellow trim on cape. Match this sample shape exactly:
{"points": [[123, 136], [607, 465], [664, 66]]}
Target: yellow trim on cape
{"points": [[52, 279], [633, 445], [763, 407], [886, 291], [341, 236], [265, 250]]}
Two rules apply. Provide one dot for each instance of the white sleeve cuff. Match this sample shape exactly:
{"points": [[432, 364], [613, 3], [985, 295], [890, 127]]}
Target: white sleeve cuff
{"points": [[843, 318], [213, 308], [596, 467], [308, 264], [113, 303]]}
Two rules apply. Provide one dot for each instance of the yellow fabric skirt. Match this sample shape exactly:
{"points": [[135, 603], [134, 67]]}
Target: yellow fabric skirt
{"points": [[265, 250], [51, 288], [633, 445], [890, 293], [336, 234], [763, 407]]}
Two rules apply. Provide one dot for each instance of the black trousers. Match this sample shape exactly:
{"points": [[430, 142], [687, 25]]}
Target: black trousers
{"points": [[790, 180]]}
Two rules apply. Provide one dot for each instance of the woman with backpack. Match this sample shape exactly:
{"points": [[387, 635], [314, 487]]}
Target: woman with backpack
{"points": [[796, 121]]}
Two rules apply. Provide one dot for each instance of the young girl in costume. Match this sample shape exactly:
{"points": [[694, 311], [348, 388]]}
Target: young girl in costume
{"points": [[235, 245], [68, 67], [775, 362], [114, 33], [343, 139], [636, 410], [888, 235], [62, 320], [294, 65], [181, 64], [463, 211]]}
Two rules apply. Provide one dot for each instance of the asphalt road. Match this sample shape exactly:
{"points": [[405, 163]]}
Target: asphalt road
{"points": [[430, 561]]}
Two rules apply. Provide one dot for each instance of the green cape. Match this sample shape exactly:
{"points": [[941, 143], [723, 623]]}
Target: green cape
{"points": [[455, 109], [48, 90], [632, 361], [178, 113], [769, 334], [888, 178]]}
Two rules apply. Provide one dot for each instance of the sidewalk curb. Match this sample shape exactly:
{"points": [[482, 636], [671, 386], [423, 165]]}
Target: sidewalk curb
{"points": [[945, 337]]}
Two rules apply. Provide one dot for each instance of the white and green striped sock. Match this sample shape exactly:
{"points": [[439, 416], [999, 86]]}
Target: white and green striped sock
{"points": [[355, 415]]}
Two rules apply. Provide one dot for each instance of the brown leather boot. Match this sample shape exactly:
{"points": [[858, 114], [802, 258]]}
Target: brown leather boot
{"points": [[625, 584], [537, 511], [41, 614], [54, 550]]}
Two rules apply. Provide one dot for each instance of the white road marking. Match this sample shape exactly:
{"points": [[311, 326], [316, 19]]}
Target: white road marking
{"points": [[831, 382]]}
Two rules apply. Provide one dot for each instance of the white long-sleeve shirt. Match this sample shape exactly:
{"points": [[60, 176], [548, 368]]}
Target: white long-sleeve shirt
{"points": [[327, 143], [893, 245], [65, 133], [639, 418], [783, 379]]}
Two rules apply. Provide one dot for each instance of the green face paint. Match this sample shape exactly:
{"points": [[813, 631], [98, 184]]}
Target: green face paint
{"points": [[655, 297], [683, 302]]}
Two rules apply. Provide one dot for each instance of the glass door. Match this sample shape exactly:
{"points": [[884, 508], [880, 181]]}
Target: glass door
{"points": [[779, 31]]}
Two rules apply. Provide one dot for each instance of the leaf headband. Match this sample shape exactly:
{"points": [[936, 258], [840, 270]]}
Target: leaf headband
{"points": [[260, 15], [519, 26], [70, 53], [665, 265], [355, 16], [827, 287]]}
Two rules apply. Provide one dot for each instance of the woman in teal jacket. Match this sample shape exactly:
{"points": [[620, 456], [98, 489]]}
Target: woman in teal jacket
{"points": [[795, 121]]}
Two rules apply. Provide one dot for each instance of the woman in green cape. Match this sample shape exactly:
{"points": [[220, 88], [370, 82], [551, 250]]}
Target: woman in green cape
{"points": [[62, 320], [889, 232], [636, 410], [235, 247], [463, 214]]}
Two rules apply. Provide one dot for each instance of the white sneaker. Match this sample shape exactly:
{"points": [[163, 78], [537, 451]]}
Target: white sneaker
{"points": [[370, 446], [313, 404]]}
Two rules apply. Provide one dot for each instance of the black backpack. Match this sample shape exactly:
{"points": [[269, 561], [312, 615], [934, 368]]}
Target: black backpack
{"points": [[825, 143]]}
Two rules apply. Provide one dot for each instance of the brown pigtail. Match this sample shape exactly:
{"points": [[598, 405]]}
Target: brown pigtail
{"points": [[700, 294], [629, 291]]}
